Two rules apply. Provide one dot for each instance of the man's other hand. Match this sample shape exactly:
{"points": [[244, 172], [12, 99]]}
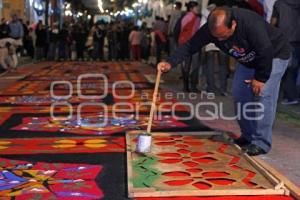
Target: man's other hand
{"points": [[256, 85]]}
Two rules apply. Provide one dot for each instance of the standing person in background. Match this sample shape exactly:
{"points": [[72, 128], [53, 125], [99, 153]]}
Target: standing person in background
{"points": [[30, 43], [176, 14], [125, 29], [152, 59], [189, 25], [268, 9], [98, 38], [63, 42], [53, 40], [26, 38], [160, 30], [214, 57], [89, 44], [40, 43], [113, 42], [16, 31], [26, 31], [4, 29], [286, 16], [145, 44], [80, 37], [135, 38], [16, 28], [256, 6]]}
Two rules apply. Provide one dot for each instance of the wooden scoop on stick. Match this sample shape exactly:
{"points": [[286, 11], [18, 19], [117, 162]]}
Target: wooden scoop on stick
{"points": [[144, 139]]}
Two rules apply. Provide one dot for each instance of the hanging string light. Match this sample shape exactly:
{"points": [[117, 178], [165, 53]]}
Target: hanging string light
{"points": [[100, 5]]}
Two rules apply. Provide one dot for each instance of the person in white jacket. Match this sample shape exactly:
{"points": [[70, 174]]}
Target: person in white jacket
{"points": [[8, 56]]}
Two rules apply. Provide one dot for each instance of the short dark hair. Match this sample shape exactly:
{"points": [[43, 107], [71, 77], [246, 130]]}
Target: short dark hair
{"points": [[178, 4], [212, 18], [191, 4]]}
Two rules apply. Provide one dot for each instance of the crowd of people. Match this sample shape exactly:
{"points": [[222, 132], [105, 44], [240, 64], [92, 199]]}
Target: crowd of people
{"points": [[121, 40]]}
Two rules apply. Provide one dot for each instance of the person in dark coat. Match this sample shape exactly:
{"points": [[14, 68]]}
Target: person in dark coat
{"points": [[80, 36], [286, 16], [40, 43]]}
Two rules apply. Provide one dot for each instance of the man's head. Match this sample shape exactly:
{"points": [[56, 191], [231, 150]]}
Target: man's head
{"points": [[14, 17], [178, 5], [221, 23]]}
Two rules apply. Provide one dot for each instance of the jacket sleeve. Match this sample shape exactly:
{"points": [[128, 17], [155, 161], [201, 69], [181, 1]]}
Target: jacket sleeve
{"points": [[201, 38], [258, 38]]}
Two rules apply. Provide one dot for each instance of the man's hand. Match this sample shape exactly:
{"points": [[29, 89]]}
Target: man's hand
{"points": [[164, 66], [256, 85]]}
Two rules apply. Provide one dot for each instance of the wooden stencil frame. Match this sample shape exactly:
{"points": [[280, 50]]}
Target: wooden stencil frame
{"points": [[278, 187]]}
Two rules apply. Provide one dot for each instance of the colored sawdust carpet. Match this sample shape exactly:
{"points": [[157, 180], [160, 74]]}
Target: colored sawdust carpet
{"points": [[82, 156], [31, 180], [61, 145]]}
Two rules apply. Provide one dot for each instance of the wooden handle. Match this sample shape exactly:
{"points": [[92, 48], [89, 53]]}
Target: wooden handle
{"points": [[153, 105]]}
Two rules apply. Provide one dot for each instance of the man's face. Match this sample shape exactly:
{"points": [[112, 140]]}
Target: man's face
{"points": [[14, 18], [223, 32]]}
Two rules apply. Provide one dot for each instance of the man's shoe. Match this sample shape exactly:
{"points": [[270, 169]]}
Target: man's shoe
{"points": [[253, 150], [241, 141], [288, 103], [224, 94]]}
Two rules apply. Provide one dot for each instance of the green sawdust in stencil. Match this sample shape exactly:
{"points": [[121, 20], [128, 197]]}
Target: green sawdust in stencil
{"points": [[145, 175]]}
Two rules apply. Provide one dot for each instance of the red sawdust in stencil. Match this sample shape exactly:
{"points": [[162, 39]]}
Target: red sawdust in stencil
{"points": [[188, 137], [178, 182], [223, 148], [194, 143], [190, 164], [235, 167], [269, 197], [195, 170], [170, 161], [202, 185], [184, 151], [249, 183], [165, 143], [178, 173], [181, 146], [176, 136], [215, 174], [199, 154], [234, 160], [221, 181], [205, 160], [247, 180], [250, 174], [162, 138], [169, 154]]}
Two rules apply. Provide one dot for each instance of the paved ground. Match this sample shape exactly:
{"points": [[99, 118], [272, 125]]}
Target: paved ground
{"points": [[285, 153]]}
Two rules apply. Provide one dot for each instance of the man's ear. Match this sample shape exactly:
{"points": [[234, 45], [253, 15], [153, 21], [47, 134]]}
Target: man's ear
{"points": [[234, 23]]}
